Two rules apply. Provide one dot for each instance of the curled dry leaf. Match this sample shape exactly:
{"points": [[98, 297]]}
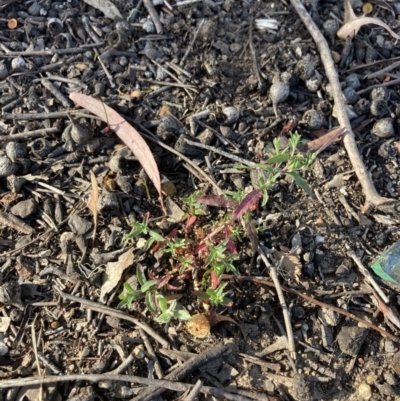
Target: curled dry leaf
{"points": [[126, 132], [352, 24], [321, 143], [94, 197], [114, 272]]}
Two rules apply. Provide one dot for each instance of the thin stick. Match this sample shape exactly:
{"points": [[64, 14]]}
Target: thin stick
{"points": [[154, 16], [184, 370], [366, 274], [221, 152], [192, 396], [166, 384], [254, 56], [28, 134], [150, 351], [105, 69], [111, 312], [372, 198], [45, 116], [189, 49], [285, 310], [51, 52]]}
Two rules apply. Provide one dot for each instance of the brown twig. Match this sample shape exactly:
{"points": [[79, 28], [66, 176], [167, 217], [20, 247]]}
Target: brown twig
{"points": [[111, 312], [184, 370], [263, 281], [154, 16], [372, 198], [165, 384], [150, 351], [28, 134]]}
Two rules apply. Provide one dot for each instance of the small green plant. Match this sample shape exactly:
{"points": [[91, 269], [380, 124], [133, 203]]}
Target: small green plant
{"points": [[195, 208], [205, 258], [170, 312], [283, 161], [140, 229], [216, 296]]}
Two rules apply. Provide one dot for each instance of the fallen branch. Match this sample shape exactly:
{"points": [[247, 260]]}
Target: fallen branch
{"points": [[372, 198]]}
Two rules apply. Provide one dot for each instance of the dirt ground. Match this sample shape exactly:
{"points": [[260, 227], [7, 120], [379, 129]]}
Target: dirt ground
{"points": [[71, 185]]}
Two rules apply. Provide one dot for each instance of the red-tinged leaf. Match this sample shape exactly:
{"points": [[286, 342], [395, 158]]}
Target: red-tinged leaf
{"points": [[189, 222], [249, 202], [324, 141], [127, 134], [173, 233], [231, 247], [214, 280], [163, 281], [171, 287], [215, 200], [203, 248]]}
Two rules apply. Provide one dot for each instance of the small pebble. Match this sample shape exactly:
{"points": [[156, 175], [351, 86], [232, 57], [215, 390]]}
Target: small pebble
{"points": [[24, 208], [78, 225], [364, 391]]}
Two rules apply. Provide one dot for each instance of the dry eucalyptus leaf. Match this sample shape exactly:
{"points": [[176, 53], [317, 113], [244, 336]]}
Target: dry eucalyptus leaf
{"points": [[114, 272], [126, 132], [4, 324], [94, 197], [352, 24]]}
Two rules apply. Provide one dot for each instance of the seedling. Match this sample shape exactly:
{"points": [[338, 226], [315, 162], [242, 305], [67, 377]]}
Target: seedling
{"points": [[170, 312], [216, 297]]}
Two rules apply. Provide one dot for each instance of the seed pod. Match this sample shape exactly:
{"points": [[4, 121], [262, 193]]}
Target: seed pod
{"points": [[313, 119], [15, 151], [313, 83], [55, 26], [331, 27], [40, 148], [350, 95], [3, 70], [362, 106], [7, 167], [305, 69], [378, 108], [352, 81], [79, 133], [117, 40], [150, 51], [380, 93], [387, 150], [383, 128], [324, 107], [231, 115]]}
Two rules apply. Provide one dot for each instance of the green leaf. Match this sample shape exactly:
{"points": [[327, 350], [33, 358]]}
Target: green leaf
{"points": [[280, 158], [172, 307], [150, 303], [203, 296], [156, 236], [302, 183], [148, 244], [147, 285], [140, 276], [164, 317], [128, 289], [162, 302], [182, 315]]}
